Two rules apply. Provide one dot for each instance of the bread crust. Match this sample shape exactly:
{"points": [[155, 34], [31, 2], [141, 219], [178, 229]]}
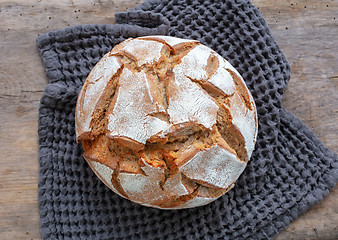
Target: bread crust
{"points": [[166, 122]]}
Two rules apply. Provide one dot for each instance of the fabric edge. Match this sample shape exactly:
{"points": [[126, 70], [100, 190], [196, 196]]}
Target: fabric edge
{"points": [[312, 198]]}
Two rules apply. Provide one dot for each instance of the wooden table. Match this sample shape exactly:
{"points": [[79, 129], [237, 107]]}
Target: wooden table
{"points": [[307, 31]]}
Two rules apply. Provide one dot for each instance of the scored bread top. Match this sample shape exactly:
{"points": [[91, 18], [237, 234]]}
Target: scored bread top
{"points": [[166, 122]]}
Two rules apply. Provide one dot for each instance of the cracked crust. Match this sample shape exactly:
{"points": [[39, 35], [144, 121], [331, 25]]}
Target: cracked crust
{"points": [[166, 122]]}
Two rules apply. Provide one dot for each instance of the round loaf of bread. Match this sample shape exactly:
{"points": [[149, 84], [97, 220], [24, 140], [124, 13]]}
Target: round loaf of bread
{"points": [[166, 122]]}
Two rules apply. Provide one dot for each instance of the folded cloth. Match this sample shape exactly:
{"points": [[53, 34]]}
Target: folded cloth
{"points": [[290, 169]]}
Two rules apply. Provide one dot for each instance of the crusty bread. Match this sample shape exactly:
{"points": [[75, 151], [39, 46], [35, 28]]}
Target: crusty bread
{"points": [[166, 122]]}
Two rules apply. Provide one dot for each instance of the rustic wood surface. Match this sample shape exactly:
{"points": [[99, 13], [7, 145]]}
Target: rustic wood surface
{"points": [[307, 31]]}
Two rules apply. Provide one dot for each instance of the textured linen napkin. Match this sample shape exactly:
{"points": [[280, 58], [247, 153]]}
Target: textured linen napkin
{"points": [[289, 171]]}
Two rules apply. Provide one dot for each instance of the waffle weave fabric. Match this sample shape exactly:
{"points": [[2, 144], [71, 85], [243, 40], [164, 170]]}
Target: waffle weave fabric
{"points": [[290, 169]]}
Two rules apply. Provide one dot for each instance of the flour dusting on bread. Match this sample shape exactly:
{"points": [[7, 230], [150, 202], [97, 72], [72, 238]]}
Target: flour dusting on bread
{"points": [[166, 122]]}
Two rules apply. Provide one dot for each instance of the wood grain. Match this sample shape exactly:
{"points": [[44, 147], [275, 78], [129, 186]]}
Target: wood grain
{"points": [[306, 31]]}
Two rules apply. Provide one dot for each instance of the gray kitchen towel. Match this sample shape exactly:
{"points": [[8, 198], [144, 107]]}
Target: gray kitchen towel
{"points": [[290, 169]]}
